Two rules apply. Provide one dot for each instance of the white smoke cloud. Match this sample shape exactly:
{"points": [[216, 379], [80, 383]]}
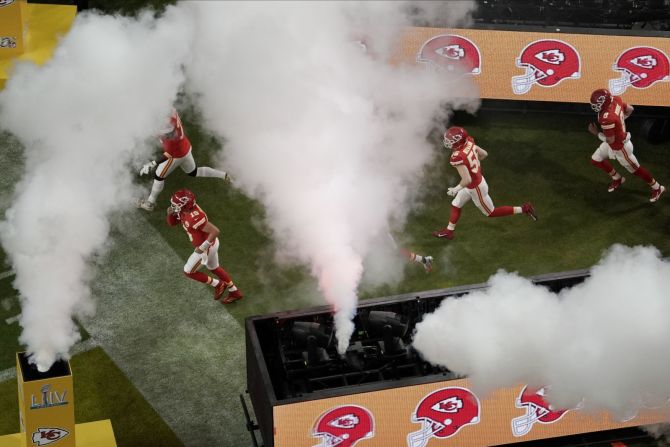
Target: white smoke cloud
{"points": [[81, 118], [332, 140], [329, 138], [604, 341]]}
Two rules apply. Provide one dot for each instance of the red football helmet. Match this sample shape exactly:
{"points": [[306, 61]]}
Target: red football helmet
{"points": [[640, 67], [452, 53], [547, 62], [455, 137], [344, 426], [600, 99], [182, 200], [537, 410], [443, 413]]}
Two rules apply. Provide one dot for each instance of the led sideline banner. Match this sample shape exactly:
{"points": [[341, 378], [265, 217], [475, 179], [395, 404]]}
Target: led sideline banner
{"points": [[539, 66], [439, 414]]}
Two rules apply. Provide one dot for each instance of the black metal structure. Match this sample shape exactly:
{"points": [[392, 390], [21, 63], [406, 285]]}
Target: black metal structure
{"points": [[291, 356], [612, 14]]}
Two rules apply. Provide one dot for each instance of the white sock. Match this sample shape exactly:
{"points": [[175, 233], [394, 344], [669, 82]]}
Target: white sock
{"points": [[215, 282], [156, 189], [418, 258], [517, 210], [205, 171]]}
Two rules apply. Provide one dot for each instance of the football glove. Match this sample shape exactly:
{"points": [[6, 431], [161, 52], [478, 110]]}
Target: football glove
{"points": [[454, 190], [147, 167]]}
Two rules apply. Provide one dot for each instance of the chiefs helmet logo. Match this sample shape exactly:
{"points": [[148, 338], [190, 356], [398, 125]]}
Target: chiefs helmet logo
{"points": [[346, 421], [344, 426], [443, 413], [551, 56], [647, 61], [537, 410], [546, 62], [452, 51], [640, 67], [451, 405]]}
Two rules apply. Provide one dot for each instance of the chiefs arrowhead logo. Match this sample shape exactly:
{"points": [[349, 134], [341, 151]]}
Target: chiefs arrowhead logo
{"points": [[551, 56], [451, 51], [450, 405], [44, 436], [647, 61], [346, 421]]}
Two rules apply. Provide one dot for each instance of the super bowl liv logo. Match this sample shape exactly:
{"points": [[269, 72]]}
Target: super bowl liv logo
{"points": [[48, 398]]}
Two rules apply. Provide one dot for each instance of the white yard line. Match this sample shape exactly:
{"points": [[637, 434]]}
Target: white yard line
{"points": [[9, 373], [7, 274], [12, 320], [182, 350]]}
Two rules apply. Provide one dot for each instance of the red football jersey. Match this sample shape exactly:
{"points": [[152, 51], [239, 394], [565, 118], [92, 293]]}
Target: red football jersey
{"points": [[193, 222], [467, 156], [176, 145], [612, 122]]}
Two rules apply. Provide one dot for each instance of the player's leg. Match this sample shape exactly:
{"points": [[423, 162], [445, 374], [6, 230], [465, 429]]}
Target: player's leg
{"points": [[484, 202], [162, 171], [600, 159], [629, 161], [206, 171], [426, 261], [225, 282], [457, 204], [191, 169], [191, 267]]}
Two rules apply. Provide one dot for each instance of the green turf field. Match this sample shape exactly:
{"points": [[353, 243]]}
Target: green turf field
{"points": [[174, 355]]}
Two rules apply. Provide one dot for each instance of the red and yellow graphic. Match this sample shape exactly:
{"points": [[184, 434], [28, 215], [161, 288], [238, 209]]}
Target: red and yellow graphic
{"points": [[538, 66], [442, 414], [344, 426]]}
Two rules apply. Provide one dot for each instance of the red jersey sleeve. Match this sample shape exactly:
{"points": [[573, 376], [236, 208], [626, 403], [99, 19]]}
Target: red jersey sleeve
{"points": [[172, 219]]}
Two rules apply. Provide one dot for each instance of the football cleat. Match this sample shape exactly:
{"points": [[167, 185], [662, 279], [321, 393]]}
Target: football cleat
{"points": [[219, 290], [614, 184], [145, 204], [233, 296], [444, 232], [428, 263], [656, 194], [527, 209]]}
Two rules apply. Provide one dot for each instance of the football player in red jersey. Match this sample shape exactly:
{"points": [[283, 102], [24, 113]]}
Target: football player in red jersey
{"points": [[176, 152], [466, 157], [612, 113], [203, 235]]}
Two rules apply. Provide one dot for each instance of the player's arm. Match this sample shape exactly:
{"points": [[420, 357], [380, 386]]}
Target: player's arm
{"points": [[465, 176], [481, 153], [212, 233], [607, 135], [172, 218], [465, 179], [628, 110]]}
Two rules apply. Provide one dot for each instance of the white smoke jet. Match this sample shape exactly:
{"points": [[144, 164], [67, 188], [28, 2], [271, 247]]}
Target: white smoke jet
{"points": [[603, 341], [332, 140], [81, 118]]}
